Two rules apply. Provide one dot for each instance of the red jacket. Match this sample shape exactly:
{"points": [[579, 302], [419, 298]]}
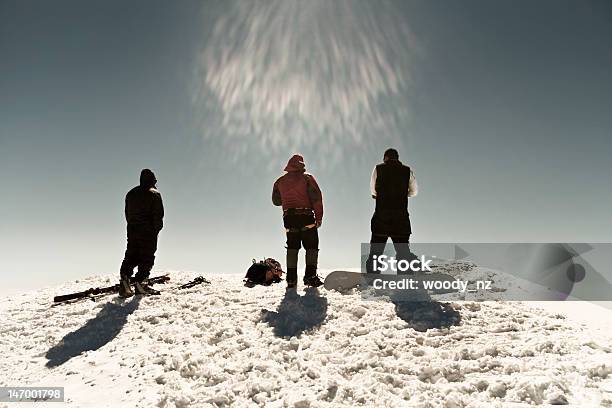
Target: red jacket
{"points": [[298, 189]]}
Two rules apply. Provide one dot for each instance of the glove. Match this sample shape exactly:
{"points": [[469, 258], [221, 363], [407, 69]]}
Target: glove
{"points": [[319, 223]]}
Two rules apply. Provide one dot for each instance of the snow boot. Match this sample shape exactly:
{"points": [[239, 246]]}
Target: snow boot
{"points": [[125, 291], [143, 289], [313, 281], [311, 278]]}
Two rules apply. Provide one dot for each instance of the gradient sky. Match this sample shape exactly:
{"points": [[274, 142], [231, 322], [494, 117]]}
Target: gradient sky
{"points": [[503, 109]]}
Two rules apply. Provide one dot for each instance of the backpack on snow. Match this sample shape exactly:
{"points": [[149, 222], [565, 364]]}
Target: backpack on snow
{"points": [[265, 273]]}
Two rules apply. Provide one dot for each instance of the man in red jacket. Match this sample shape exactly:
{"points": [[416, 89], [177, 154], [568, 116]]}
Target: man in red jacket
{"points": [[299, 195]]}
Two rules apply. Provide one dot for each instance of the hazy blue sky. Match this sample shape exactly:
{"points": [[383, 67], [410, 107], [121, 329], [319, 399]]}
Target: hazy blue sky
{"points": [[502, 108]]}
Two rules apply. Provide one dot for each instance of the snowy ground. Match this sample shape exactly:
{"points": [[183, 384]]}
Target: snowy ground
{"points": [[226, 344]]}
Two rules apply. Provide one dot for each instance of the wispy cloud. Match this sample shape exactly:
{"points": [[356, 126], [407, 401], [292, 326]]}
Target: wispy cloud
{"points": [[280, 75]]}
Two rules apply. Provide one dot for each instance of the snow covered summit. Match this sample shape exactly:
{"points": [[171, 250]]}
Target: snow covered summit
{"points": [[227, 345]]}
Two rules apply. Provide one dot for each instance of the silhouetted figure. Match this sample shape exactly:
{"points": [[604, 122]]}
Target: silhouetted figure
{"points": [[391, 184], [144, 212], [299, 195]]}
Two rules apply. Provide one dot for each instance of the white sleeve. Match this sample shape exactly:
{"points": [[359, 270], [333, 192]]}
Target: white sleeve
{"points": [[373, 183], [413, 187]]}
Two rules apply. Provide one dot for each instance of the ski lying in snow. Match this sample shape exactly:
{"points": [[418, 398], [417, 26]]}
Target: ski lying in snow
{"points": [[345, 280], [92, 292]]}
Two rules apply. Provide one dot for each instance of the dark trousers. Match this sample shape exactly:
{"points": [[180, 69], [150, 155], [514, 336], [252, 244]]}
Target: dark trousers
{"points": [[301, 233], [377, 247], [308, 239], [140, 253]]}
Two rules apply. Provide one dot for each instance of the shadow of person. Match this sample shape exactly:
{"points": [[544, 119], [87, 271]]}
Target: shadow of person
{"points": [[425, 315], [97, 332], [421, 312], [297, 314]]}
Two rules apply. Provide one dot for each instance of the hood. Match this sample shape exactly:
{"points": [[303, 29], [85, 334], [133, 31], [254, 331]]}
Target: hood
{"points": [[147, 178], [295, 164]]}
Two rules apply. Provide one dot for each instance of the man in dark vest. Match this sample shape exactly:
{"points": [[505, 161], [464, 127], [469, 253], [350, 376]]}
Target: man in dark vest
{"points": [[144, 212], [300, 196], [392, 183]]}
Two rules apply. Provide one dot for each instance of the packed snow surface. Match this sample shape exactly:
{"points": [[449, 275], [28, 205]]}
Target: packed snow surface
{"points": [[227, 345]]}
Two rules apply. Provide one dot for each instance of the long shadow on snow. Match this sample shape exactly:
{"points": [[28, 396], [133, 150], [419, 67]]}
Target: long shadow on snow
{"points": [[422, 316], [425, 313], [97, 332], [297, 314]]}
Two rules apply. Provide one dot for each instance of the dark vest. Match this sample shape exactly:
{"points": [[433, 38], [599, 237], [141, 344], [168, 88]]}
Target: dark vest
{"points": [[392, 180]]}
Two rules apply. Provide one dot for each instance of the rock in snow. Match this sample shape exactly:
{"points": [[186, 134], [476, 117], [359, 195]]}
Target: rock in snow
{"points": [[227, 345]]}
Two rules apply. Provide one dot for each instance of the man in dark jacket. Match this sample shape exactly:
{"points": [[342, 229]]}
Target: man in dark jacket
{"points": [[144, 212], [299, 195], [391, 185]]}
